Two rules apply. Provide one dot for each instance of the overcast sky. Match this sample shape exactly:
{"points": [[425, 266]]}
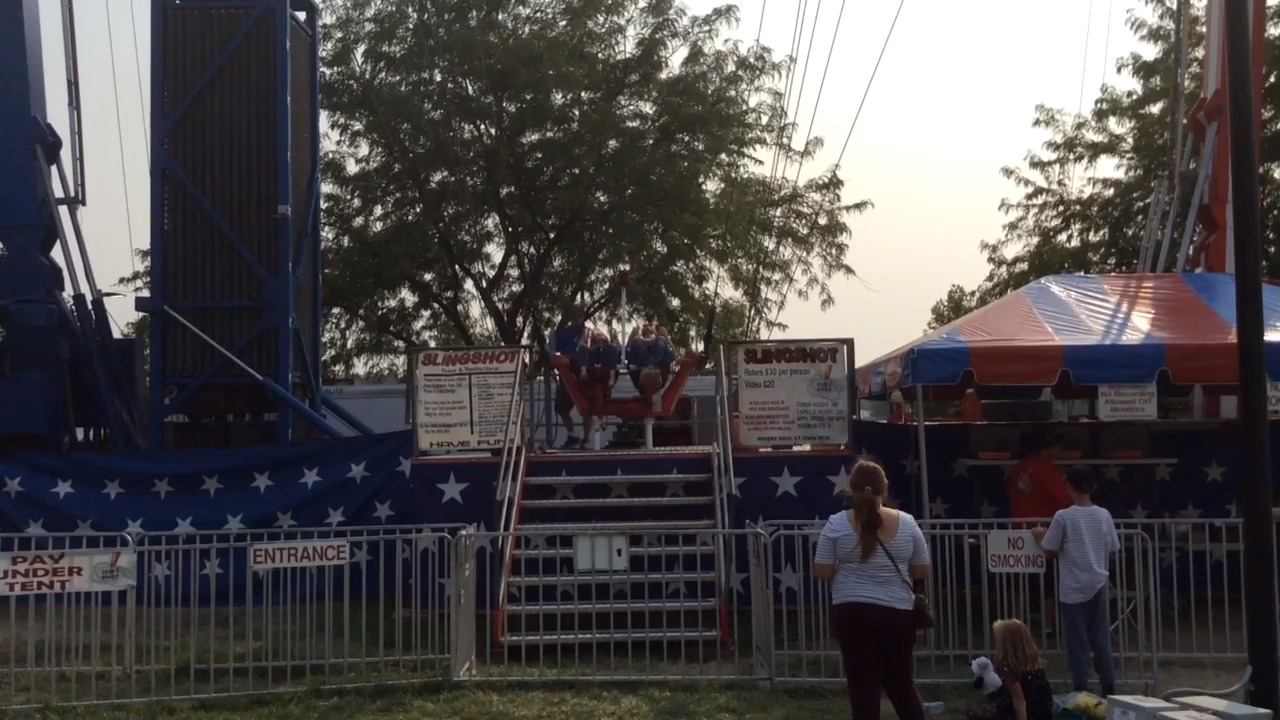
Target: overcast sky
{"points": [[951, 104]]}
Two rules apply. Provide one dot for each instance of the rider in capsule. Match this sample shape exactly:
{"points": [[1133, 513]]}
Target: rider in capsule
{"points": [[571, 339], [599, 373], [649, 358]]}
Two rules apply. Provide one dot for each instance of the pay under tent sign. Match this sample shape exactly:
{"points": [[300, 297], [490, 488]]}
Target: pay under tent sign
{"points": [[462, 398], [38, 573], [1014, 551], [1126, 402]]}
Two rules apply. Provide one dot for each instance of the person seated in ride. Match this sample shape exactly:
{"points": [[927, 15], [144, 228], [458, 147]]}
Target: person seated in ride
{"points": [[599, 373], [649, 358], [570, 341]]}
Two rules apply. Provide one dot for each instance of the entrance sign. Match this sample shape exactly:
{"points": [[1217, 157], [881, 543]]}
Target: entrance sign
{"points": [[1014, 551], [1126, 402], [313, 553], [794, 394], [1273, 398], [462, 397], [32, 573]]}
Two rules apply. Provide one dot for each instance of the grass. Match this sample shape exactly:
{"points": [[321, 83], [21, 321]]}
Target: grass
{"points": [[704, 702]]}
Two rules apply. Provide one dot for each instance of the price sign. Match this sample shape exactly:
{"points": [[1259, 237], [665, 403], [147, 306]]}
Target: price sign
{"points": [[793, 394]]}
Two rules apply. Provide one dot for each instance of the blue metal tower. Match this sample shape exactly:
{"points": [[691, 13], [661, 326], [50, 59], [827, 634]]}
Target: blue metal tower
{"points": [[235, 301], [65, 381]]}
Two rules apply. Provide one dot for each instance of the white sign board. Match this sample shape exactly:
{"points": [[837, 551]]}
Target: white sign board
{"points": [[306, 553], [793, 394], [33, 573], [1014, 551], [1126, 402], [1273, 398], [462, 398]]}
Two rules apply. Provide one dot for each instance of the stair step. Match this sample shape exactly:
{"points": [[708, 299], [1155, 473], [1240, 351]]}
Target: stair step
{"points": [[619, 528], [618, 636], [567, 504], [633, 551], [591, 578], [559, 480], [609, 607]]}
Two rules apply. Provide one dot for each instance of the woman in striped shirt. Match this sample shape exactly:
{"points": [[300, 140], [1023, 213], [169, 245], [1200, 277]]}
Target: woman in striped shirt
{"points": [[872, 553]]}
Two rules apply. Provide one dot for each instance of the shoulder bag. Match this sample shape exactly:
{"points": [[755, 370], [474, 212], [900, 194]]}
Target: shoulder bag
{"points": [[922, 614]]}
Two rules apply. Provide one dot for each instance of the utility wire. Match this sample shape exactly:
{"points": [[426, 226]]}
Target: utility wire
{"points": [[1088, 25], [124, 172], [760, 28], [867, 90], [857, 114], [804, 74], [137, 69]]}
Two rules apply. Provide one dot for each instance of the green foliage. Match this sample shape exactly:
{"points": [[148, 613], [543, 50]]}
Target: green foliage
{"points": [[491, 161], [1083, 197]]}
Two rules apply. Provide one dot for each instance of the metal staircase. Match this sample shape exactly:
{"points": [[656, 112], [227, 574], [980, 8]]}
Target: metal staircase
{"points": [[604, 557]]}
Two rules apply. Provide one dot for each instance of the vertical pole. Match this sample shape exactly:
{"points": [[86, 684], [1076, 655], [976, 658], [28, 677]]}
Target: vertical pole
{"points": [[314, 239], [157, 403], [285, 217], [923, 450], [1255, 471]]}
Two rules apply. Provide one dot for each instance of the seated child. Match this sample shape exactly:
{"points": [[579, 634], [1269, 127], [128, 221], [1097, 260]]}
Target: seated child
{"points": [[1024, 692], [599, 374], [649, 358]]}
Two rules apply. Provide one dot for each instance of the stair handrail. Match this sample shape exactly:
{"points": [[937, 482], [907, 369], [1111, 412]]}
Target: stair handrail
{"points": [[511, 478], [725, 482]]}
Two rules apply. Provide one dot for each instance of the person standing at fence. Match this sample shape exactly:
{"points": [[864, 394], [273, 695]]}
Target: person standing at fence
{"points": [[1083, 537], [1037, 490], [570, 339], [868, 552]]}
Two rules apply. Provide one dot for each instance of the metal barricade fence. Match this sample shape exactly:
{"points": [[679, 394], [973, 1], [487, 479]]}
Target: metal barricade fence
{"points": [[68, 617], [967, 597], [615, 605]]}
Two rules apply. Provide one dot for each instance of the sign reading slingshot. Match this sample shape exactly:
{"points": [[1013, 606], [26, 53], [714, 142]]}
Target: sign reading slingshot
{"points": [[793, 392], [462, 398]]}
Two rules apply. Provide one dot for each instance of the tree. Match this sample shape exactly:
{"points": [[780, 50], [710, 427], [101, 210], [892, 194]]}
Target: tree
{"points": [[1083, 198], [490, 161]]}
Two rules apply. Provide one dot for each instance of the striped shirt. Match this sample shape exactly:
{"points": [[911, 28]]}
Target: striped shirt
{"points": [[878, 581], [1084, 538]]}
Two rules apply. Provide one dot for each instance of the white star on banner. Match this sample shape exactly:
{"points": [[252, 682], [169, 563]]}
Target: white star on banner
{"points": [[737, 485], [161, 487], [1164, 473], [840, 482], [1213, 472], [12, 486], [563, 588], [405, 466], [310, 476], [788, 579], [738, 579], [358, 473], [112, 489], [35, 527], [619, 490], [960, 468], [452, 489], [160, 570], [358, 554], [563, 492], [262, 481], [674, 489], [134, 527], [285, 520], [1191, 513], [211, 567], [184, 525], [675, 587], [84, 527], [382, 511], [1138, 512], [335, 517], [911, 466], [211, 484], [786, 482], [1169, 556], [938, 509], [1232, 509], [234, 522], [63, 488], [1111, 472], [987, 510]]}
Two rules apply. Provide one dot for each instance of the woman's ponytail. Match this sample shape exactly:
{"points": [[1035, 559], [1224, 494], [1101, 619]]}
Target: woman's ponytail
{"points": [[867, 488]]}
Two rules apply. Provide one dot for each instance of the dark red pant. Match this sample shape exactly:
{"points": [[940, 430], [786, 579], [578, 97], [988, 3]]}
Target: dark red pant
{"points": [[876, 645]]}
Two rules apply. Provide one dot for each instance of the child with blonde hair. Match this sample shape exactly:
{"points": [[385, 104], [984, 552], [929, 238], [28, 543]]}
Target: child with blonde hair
{"points": [[1025, 692]]}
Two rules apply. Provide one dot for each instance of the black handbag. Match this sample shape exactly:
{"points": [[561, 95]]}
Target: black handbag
{"points": [[922, 614]]}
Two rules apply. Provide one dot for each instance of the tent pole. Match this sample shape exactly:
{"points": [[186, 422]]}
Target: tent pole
{"points": [[922, 453]]}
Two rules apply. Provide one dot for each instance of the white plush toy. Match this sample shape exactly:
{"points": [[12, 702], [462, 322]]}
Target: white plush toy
{"points": [[984, 676]]}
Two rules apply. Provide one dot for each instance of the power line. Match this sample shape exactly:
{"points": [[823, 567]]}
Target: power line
{"points": [[867, 90], [821, 84], [124, 172], [1088, 25], [804, 74], [137, 69], [760, 28]]}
